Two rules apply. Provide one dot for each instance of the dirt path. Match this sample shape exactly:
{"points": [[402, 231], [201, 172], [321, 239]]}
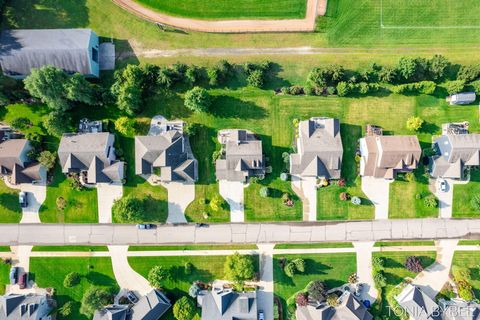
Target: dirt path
{"points": [[229, 26]]}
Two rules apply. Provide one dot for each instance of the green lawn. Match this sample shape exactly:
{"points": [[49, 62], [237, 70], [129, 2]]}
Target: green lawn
{"points": [[470, 260], [463, 195], [314, 245], [50, 272], [403, 200], [10, 211], [333, 269], [469, 243], [194, 247], [231, 9], [4, 249], [4, 276], [69, 248], [395, 273], [205, 269], [404, 243], [82, 206]]}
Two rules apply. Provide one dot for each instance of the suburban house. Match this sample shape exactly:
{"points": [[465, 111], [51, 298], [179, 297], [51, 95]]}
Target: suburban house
{"points": [[226, 304], [30, 306], [91, 154], [319, 149], [167, 155], [385, 156], [417, 304], [150, 307], [458, 309], [242, 156], [72, 50], [16, 164], [455, 152], [462, 98], [349, 308]]}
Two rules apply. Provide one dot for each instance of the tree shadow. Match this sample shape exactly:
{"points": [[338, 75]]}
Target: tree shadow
{"points": [[9, 201], [350, 134], [204, 143], [230, 107], [392, 263], [393, 278], [272, 80], [429, 127], [100, 279]]}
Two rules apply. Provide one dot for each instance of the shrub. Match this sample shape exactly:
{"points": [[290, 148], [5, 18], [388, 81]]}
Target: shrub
{"points": [[344, 196], [413, 264], [461, 274], [216, 203], [378, 264], [343, 89], [285, 197], [20, 123], [468, 73], [283, 176], [353, 278], [61, 203], [418, 196], [299, 265], [476, 86], [356, 201], [301, 299], [239, 268], [194, 290], [341, 183], [263, 192], [332, 300], [125, 126], [430, 201], [47, 159], [188, 268], [71, 280], [465, 290], [198, 100], [67, 309], [317, 291], [423, 87], [157, 275], [379, 280], [414, 123], [475, 203], [455, 86], [57, 123], [410, 177], [184, 309], [290, 269], [256, 79]]}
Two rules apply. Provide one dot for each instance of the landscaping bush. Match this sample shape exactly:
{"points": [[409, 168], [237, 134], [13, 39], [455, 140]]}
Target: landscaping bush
{"points": [[332, 300], [344, 196], [71, 279], [256, 79], [157, 275], [423, 87], [47, 159], [356, 200], [188, 268], [198, 100], [61, 203], [194, 290], [378, 264], [353, 278], [410, 177], [283, 176], [264, 192], [290, 269], [125, 126], [455, 86], [216, 203], [66, 309], [239, 268], [379, 279], [301, 299], [20, 123], [430, 201], [317, 291], [468, 73], [413, 264], [343, 89], [299, 265], [341, 182], [475, 203], [184, 309]]}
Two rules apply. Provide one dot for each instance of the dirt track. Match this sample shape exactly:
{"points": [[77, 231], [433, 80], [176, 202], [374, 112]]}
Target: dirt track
{"points": [[314, 7]]}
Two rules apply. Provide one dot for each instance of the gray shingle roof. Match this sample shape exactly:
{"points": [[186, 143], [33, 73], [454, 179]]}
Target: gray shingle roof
{"points": [[14, 161], [24, 306], [151, 307], [225, 304], [417, 304], [24, 49], [460, 310], [114, 312], [243, 156], [167, 152], [320, 149]]}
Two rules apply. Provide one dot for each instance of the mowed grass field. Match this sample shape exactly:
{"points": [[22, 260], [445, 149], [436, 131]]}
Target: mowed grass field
{"points": [[230, 9], [463, 195]]}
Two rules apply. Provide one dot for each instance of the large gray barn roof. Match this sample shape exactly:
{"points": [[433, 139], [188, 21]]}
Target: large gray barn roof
{"points": [[24, 49]]}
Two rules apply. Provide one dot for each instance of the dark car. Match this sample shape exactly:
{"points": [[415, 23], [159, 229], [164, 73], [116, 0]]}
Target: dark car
{"points": [[261, 315], [13, 275], [22, 199], [22, 280], [132, 297], [144, 226], [201, 225]]}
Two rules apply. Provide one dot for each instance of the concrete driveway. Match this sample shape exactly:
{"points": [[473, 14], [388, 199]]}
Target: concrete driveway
{"points": [[232, 192], [445, 199], [265, 293], [36, 194], [378, 191], [180, 195], [306, 189], [364, 270], [127, 278], [107, 194]]}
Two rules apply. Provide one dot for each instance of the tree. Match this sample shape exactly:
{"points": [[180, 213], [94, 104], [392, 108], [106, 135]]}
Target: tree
{"points": [[128, 209], [379, 280], [299, 264], [157, 275], [414, 123], [194, 290], [93, 299], [20, 123], [438, 65], [71, 280], [455, 86], [47, 159], [80, 90], [56, 123], [67, 309], [128, 88], [188, 267], [125, 126], [413, 264], [256, 79], [184, 309], [216, 203], [378, 264], [317, 291], [192, 74], [197, 100], [406, 68], [301, 299], [475, 203], [47, 84], [239, 268], [430, 201], [264, 192], [290, 269], [343, 89], [468, 73]]}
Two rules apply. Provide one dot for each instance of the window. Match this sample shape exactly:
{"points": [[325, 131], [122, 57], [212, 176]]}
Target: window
{"points": [[95, 54]]}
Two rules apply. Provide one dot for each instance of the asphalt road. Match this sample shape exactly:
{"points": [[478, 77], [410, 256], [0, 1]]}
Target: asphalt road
{"points": [[118, 234]]}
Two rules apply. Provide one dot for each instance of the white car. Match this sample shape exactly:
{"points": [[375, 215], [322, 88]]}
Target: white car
{"points": [[442, 185]]}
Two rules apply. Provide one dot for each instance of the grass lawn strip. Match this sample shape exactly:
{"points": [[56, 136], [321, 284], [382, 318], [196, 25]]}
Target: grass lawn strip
{"points": [[69, 248], [404, 243], [4, 276], [10, 211], [314, 245], [194, 247], [463, 195], [50, 272], [333, 269]]}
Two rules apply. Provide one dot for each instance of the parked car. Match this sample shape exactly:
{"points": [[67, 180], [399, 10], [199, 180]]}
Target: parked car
{"points": [[201, 225], [261, 315], [144, 226], [132, 297], [442, 185], [22, 280], [13, 275], [22, 199]]}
